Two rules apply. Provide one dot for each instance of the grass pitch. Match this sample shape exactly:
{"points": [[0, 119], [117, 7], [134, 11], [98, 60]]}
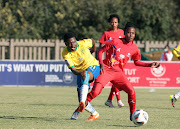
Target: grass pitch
{"points": [[52, 107]]}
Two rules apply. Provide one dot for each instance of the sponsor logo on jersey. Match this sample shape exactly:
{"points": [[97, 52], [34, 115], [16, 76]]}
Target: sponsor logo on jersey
{"points": [[119, 49], [121, 56], [128, 55], [80, 58]]}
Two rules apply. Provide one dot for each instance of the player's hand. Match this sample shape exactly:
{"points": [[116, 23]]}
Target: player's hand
{"points": [[179, 57], [155, 65], [102, 68]]}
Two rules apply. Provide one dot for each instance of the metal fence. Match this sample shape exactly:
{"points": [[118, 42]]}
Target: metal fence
{"points": [[28, 49]]}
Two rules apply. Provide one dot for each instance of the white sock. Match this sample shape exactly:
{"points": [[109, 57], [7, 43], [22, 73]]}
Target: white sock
{"points": [[90, 109], [84, 92], [177, 95]]}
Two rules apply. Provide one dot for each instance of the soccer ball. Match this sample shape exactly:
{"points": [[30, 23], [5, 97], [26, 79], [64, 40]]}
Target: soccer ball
{"points": [[140, 117]]}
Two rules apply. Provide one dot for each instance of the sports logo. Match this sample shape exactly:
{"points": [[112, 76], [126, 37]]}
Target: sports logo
{"points": [[80, 58], [158, 72], [68, 78]]}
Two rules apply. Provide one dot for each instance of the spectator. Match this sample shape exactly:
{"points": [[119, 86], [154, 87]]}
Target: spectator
{"points": [[167, 55]]}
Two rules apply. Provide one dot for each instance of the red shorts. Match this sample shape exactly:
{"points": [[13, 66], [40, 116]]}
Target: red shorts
{"points": [[116, 77]]}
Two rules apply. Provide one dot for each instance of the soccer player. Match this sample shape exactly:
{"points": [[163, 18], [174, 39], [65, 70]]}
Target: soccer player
{"points": [[78, 57], [112, 68], [111, 33], [174, 97], [176, 51]]}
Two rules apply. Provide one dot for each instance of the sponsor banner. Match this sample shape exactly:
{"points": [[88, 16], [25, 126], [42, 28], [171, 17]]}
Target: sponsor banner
{"points": [[167, 75], [56, 73], [36, 73]]}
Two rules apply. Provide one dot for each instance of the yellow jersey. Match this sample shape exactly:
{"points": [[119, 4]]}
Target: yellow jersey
{"points": [[81, 58], [176, 50]]}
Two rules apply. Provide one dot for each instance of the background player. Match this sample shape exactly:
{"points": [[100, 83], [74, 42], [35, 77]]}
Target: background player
{"points": [[78, 57], [112, 33], [174, 97], [112, 68]]}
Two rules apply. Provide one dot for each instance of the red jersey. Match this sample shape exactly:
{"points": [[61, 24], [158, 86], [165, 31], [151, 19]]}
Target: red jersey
{"points": [[120, 53], [110, 35]]}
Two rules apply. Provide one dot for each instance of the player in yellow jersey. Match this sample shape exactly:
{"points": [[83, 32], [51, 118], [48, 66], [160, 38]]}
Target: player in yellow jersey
{"points": [[174, 97], [176, 51], [79, 59]]}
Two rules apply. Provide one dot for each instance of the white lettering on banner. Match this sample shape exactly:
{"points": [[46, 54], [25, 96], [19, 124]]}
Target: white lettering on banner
{"points": [[133, 79], [158, 81], [130, 71], [9, 67], [3, 67], [66, 69], [52, 78], [178, 80], [23, 67], [56, 67], [41, 67]]}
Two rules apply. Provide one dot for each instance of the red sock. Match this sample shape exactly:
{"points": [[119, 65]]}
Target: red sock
{"points": [[112, 93], [117, 92], [132, 102]]}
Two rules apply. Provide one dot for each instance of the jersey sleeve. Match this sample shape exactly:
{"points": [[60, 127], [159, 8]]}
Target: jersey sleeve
{"points": [[176, 51], [103, 38], [87, 43], [67, 60], [100, 52], [137, 55]]}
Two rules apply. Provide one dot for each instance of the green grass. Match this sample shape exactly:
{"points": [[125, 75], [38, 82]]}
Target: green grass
{"points": [[52, 107]]}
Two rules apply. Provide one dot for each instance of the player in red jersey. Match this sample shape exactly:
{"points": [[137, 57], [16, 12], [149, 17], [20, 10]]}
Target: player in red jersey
{"points": [[112, 33], [112, 68]]}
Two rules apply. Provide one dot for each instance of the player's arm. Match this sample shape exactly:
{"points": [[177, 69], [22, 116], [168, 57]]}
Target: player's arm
{"points": [[176, 51], [145, 64], [137, 56], [100, 53], [102, 39], [74, 71], [93, 48]]}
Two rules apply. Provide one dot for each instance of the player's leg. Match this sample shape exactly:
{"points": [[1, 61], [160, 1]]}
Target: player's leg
{"points": [[90, 74], [174, 98], [117, 92], [114, 91], [122, 83], [96, 90], [110, 98], [76, 113], [129, 89]]}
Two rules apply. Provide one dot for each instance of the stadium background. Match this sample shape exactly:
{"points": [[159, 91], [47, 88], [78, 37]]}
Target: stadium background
{"points": [[33, 76], [32, 31]]}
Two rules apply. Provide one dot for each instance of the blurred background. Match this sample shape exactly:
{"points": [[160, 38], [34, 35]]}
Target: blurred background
{"points": [[33, 31], [155, 20]]}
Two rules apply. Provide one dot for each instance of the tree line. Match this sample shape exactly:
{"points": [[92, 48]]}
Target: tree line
{"points": [[50, 19]]}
